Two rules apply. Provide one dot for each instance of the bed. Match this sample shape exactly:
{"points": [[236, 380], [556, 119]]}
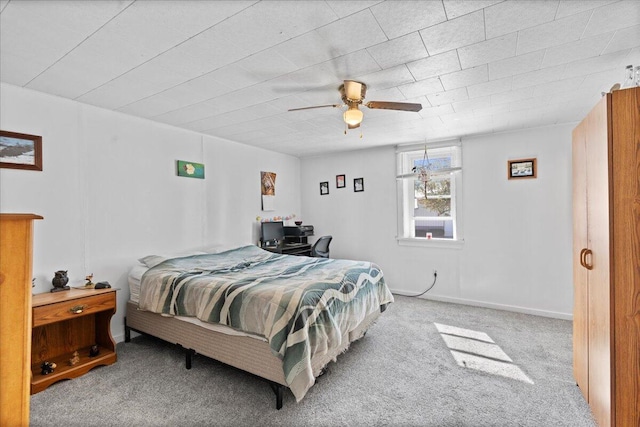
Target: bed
{"points": [[280, 317]]}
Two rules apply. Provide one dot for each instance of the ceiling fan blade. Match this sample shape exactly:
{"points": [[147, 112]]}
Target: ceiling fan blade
{"points": [[400, 106], [316, 106]]}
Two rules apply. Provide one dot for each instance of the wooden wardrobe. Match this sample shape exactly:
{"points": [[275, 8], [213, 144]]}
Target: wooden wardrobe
{"points": [[16, 236], [606, 258]]}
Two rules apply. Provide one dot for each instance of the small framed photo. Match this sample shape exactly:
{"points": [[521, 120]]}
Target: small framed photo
{"points": [[340, 181], [522, 168], [20, 151], [190, 169], [324, 188], [358, 185]]}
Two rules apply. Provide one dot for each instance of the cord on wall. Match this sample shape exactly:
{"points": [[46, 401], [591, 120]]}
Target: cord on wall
{"points": [[435, 278]]}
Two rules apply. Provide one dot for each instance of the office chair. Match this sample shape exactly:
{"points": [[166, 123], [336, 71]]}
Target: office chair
{"points": [[320, 248]]}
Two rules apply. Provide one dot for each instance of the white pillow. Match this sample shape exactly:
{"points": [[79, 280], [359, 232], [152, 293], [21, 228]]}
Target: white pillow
{"points": [[153, 260]]}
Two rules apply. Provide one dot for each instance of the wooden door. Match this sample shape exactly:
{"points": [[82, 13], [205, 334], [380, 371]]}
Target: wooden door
{"points": [[598, 156], [580, 281], [626, 259]]}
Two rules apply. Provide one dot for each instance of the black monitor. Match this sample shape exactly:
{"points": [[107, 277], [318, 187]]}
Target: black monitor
{"points": [[272, 232]]}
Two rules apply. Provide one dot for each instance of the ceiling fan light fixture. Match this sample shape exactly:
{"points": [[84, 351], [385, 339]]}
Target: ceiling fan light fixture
{"points": [[353, 116], [353, 90]]}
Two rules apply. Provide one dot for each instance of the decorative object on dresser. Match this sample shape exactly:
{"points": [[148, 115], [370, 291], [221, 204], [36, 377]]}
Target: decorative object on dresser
{"points": [[20, 151], [73, 330], [89, 284], [102, 285], [59, 281], [606, 266], [75, 359], [47, 368], [15, 316]]}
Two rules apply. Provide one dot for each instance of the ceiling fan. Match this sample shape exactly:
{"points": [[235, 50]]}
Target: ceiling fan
{"points": [[353, 93]]}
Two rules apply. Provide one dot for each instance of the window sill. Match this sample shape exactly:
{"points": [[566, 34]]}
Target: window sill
{"points": [[430, 243]]}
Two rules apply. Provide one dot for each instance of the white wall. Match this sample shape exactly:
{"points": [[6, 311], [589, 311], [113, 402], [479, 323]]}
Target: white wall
{"points": [[109, 193], [518, 234]]}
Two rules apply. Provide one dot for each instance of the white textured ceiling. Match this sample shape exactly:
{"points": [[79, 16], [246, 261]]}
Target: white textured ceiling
{"points": [[233, 69]]}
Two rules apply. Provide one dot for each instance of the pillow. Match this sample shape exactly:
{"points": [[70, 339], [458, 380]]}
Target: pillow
{"points": [[153, 260]]}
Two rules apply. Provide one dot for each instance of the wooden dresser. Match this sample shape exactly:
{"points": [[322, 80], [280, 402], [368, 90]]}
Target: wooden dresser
{"points": [[606, 266], [66, 322], [16, 240]]}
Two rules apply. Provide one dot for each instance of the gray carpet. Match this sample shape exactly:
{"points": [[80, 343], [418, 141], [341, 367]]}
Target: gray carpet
{"points": [[400, 373]]}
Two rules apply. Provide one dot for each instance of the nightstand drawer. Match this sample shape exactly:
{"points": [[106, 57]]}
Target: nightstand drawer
{"points": [[61, 311]]}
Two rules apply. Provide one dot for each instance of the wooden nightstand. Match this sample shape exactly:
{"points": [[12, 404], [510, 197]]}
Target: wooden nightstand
{"points": [[64, 322]]}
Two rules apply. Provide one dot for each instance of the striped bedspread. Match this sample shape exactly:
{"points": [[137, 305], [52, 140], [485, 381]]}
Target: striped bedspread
{"points": [[303, 306]]}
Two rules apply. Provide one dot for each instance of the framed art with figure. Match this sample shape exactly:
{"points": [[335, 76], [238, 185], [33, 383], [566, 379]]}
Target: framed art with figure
{"points": [[358, 185], [324, 188]]}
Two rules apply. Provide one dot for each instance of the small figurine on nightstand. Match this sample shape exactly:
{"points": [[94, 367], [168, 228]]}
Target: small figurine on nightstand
{"points": [[94, 351], [75, 359], [89, 284], [47, 368], [60, 281], [102, 285]]}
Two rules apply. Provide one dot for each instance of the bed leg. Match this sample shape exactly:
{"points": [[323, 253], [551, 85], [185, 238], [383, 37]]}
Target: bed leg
{"points": [[278, 389], [127, 331], [189, 352]]}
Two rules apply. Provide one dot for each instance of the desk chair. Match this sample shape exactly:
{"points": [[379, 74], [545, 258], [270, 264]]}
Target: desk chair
{"points": [[320, 248]]}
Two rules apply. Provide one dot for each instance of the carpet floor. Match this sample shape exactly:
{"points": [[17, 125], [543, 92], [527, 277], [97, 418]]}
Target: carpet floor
{"points": [[424, 363]]}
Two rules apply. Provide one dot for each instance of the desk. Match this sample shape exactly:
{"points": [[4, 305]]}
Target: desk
{"points": [[302, 249]]}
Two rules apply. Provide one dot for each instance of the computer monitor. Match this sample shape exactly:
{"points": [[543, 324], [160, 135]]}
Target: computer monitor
{"points": [[272, 232]]}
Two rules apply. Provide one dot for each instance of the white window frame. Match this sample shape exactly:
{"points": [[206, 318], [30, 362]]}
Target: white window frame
{"points": [[406, 198]]}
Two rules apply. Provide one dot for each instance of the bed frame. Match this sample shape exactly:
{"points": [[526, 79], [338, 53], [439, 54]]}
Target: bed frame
{"points": [[242, 352]]}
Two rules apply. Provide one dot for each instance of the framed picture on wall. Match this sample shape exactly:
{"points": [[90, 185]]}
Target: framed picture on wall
{"points": [[190, 169], [340, 181], [20, 151], [358, 185], [324, 188], [522, 168]]}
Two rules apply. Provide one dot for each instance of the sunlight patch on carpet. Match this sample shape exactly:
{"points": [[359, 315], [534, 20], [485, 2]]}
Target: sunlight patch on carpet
{"points": [[476, 350]]}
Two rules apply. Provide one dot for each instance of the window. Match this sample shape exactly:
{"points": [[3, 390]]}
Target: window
{"points": [[429, 182]]}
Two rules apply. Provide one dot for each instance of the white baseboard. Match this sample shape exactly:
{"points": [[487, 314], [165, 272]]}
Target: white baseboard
{"points": [[118, 338], [485, 304]]}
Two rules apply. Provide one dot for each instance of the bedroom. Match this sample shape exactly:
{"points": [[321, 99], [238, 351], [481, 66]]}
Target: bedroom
{"points": [[109, 193]]}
